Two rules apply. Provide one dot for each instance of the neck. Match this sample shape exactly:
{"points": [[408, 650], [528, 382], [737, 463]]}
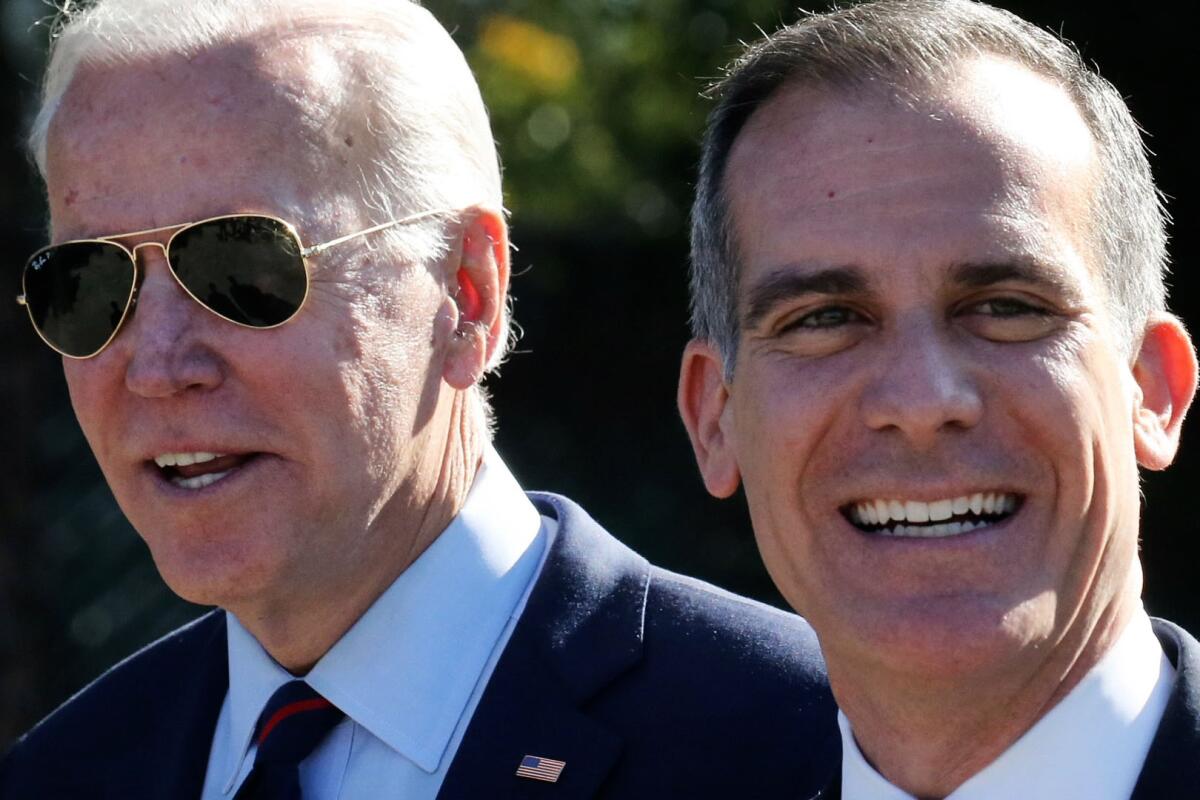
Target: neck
{"points": [[929, 736], [299, 630]]}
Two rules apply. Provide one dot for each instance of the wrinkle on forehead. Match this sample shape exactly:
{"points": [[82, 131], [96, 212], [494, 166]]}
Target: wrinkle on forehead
{"points": [[821, 151], [238, 81], [189, 119]]}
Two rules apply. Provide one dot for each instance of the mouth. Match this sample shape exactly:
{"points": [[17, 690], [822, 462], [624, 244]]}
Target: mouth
{"points": [[196, 471], [917, 519]]}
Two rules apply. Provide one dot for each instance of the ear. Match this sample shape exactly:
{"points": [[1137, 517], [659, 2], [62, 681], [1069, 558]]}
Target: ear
{"points": [[1165, 372], [479, 271], [703, 399]]}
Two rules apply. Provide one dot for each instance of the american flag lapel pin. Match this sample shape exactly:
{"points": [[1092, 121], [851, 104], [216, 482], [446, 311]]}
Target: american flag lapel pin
{"points": [[541, 769]]}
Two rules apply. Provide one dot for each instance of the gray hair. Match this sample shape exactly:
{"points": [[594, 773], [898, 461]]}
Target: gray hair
{"points": [[905, 45], [406, 89]]}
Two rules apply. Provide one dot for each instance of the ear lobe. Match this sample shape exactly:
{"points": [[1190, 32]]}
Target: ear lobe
{"points": [[480, 280], [703, 399], [1165, 372]]}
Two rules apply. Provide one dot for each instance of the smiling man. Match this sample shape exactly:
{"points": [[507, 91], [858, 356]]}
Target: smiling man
{"points": [[932, 345], [278, 272]]}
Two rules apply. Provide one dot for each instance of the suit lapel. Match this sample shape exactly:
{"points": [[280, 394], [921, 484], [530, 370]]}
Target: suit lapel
{"points": [[833, 789], [1172, 766], [581, 628], [178, 759]]}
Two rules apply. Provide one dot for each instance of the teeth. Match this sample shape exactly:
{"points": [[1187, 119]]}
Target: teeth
{"points": [[931, 519], [916, 511], [184, 459], [938, 531], [942, 509], [200, 481]]}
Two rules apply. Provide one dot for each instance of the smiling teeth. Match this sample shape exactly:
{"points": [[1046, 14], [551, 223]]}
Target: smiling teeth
{"points": [[932, 531], [184, 459], [882, 512], [200, 481]]}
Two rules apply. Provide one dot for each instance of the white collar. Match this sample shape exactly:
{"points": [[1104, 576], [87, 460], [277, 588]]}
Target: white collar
{"points": [[406, 670], [1092, 744]]}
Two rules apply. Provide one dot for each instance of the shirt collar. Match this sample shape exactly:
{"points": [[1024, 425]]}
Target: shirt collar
{"points": [[1092, 744], [406, 670]]}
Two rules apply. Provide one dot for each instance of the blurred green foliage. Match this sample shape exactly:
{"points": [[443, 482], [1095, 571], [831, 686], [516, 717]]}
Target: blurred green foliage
{"points": [[595, 102]]}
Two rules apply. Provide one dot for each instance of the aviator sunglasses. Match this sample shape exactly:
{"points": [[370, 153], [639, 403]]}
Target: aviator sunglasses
{"points": [[249, 269]]}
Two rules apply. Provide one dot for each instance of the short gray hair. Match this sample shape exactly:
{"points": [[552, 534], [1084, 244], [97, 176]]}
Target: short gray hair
{"points": [[407, 90], [905, 45]]}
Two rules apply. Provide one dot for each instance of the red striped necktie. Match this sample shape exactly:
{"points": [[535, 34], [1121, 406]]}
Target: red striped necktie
{"points": [[291, 725]]}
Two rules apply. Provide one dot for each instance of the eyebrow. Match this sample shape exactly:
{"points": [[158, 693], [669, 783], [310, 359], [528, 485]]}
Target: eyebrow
{"points": [[789, 283], [1037, 273]]}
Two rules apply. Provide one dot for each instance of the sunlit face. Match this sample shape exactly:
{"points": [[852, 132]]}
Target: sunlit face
{"points": [[323, 424], [930, 414]]}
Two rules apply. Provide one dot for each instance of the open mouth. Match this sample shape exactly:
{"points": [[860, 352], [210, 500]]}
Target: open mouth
{"points": [[932, 520], [196, 471]]}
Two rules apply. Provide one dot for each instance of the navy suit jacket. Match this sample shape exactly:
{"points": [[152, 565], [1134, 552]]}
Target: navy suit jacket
{"points": [[646, 683], [1172, 768]]}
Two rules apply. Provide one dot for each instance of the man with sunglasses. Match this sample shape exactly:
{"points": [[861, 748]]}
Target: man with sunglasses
{"points": [[278, 272], [931, 342]]}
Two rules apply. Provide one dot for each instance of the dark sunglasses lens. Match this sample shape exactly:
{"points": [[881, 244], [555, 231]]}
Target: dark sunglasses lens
{"points": [[247, 269], [77, 294]]}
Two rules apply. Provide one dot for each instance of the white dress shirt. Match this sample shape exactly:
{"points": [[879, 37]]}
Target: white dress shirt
{"points": [[410, 672], [1091, 745]]}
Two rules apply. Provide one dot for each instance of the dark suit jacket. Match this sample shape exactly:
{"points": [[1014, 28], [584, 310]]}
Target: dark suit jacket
{"points": [[647, 684], [1172, 768]]}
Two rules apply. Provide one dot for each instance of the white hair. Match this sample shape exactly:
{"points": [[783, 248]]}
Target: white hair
{"points": [[405, 88]]}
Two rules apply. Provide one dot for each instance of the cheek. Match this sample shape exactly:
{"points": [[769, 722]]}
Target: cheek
{"points": [[781, 426], [801, 427], [88, 384], [776, 409], [1081, 402], [1074, 408], [390, 380]]}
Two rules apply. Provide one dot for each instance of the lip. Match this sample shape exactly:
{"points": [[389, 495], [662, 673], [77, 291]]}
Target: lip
{"points": [[256, 462], [931, 493], [148, 454]]}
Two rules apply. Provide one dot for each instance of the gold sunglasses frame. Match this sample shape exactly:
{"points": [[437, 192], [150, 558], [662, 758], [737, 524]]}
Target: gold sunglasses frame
{"points": [[132, 252]]}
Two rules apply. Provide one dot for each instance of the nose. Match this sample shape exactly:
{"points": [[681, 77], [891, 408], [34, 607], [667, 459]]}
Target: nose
{"points": [[923, 386], [163, 339]]}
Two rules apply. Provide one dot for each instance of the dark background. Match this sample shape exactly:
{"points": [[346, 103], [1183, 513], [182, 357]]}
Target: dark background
{"points": [[597, 112]]}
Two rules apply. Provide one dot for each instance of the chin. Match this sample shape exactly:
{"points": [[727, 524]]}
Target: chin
{"points": [[212, 573], [938, 638]]}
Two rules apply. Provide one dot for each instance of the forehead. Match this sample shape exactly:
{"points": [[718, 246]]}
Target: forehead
{"points": [[996, 159], [171, 138]]}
